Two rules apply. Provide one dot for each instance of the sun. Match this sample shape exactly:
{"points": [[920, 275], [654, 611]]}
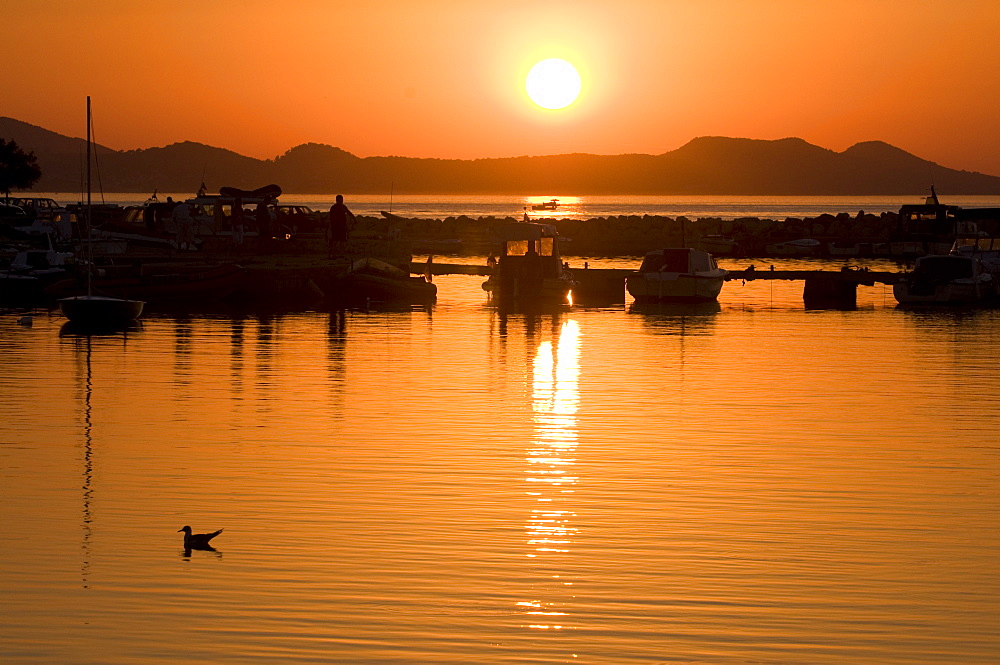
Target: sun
{"points": [[553, 84]]}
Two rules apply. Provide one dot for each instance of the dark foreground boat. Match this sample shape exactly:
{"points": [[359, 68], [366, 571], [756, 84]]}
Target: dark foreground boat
{"points": [[370, 281], [100, 310]]}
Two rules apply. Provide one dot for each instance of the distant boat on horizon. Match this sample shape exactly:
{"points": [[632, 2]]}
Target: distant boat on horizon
{"points": [[551, 204]]}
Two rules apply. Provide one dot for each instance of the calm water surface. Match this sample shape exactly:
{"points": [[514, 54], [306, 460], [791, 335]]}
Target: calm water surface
{"points": [[748, 483], [441, 206]]}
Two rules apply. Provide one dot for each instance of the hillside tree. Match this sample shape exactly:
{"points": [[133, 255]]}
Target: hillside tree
{"points": [[18, 169]]}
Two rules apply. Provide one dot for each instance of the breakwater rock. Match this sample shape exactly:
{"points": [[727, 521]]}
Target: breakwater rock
{"points": [[636, 235]]}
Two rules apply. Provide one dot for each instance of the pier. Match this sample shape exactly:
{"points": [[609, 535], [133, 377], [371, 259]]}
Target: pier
{"points": [[822, 288]]}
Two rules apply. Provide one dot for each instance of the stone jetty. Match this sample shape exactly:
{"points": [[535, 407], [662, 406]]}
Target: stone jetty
{"points": [[635, 235]]}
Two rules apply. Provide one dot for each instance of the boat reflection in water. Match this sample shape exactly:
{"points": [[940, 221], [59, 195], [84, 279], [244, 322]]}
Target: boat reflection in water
{"points": [[551, 477], [99, 329]]}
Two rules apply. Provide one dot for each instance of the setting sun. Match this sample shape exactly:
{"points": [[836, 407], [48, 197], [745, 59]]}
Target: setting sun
{"points": [[553, 83]]}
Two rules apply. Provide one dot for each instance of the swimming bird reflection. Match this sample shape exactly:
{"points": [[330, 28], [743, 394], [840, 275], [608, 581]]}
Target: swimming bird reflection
{"points": [[550, 476]]}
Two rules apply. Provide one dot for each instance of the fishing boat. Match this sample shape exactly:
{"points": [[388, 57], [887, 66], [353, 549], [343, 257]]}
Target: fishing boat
{"points": [[551, 204], [932, 227], [529, 268], [676, 275], [91, 309]]}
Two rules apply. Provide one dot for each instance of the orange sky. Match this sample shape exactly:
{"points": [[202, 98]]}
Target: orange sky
{"points": [[444, 78]]}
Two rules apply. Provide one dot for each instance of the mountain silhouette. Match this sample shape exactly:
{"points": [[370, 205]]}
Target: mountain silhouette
{"points": [[708, 165]]}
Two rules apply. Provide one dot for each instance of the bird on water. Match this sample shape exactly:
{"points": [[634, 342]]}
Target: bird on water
{"points": [[197, 541]]}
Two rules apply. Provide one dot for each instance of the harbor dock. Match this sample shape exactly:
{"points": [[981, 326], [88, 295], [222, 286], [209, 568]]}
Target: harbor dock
{"points": [[832, 288]]}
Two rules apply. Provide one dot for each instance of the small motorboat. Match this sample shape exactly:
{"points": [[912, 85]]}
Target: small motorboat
{"points": [[369, 281], [551, 204], [946, 279], [676, 275]]}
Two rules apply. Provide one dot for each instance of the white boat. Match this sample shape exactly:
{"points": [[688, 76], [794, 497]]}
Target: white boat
{"points": [[676, 275], [90, 309], [946, 279]]}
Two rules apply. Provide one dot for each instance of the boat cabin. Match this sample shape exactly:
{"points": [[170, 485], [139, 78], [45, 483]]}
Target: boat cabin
{"points": [[679, 260], [932, 219], [524, 241], [529, 266]]}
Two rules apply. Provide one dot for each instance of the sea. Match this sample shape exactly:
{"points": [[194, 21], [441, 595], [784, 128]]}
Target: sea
{"points": [[437, 206], [749, 481]]}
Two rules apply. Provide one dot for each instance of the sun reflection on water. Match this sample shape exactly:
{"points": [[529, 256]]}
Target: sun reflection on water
{"points": [[550, 475]]}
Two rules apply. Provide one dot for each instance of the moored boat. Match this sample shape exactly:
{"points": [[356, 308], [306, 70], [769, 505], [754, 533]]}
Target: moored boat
{"points": [[932, 228], [946, 279], [529, 268], [94, 310], [676, 275], [91, 310], [369, 281]]}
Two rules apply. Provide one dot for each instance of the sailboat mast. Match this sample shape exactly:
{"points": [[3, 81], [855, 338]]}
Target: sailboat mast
{"points": [[90, 252]]}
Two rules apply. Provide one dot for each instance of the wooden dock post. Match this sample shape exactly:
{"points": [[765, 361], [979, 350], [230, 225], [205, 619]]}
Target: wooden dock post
{"points": [[830, 290], [600, 286]]}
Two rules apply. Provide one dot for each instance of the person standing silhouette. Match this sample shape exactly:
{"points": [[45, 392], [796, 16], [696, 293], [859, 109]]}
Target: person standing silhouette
{"points": [[339, 230]]}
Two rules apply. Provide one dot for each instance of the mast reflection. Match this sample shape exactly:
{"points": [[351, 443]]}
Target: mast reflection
{"points": [[551, 475]]}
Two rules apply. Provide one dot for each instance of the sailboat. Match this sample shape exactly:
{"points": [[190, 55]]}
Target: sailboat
{"points": [[93, 310]]}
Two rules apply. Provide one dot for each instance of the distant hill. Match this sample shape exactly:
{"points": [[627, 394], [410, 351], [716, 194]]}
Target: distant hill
{"points": [[704, 166]]}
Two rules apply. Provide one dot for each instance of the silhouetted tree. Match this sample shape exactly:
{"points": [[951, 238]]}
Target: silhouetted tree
{"points": [[18, 169]]}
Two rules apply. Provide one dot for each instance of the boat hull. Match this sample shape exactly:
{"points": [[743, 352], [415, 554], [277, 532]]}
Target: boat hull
{"points": [[100, 310], [364, 289], [959, 292], [675, 287], [553, 290], [950, 279]]}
